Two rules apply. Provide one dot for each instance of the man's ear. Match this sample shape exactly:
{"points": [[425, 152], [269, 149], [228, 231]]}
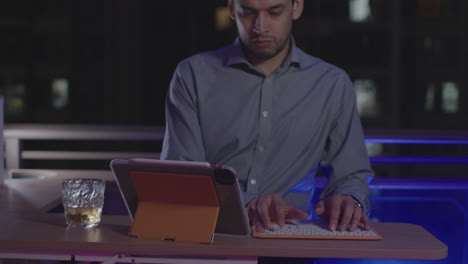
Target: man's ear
{"points": [[231, 10], [298, 6]]}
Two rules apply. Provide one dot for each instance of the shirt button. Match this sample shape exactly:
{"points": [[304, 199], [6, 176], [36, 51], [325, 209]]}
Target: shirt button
{"points": [[265, 113], [253, 181], [260, 148]]}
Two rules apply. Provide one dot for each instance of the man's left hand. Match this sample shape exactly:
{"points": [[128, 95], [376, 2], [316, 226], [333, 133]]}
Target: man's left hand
{"points": [[342, 212]]}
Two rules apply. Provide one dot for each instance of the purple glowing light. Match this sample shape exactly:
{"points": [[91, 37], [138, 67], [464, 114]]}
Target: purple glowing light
{"points": [[422, 141]]}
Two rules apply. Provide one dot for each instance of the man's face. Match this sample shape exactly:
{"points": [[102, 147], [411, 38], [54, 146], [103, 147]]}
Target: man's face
{"points": [[264, 26]]}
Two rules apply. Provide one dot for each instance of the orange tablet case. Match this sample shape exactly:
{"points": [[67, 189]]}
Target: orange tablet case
{"points": [[173, 206]]}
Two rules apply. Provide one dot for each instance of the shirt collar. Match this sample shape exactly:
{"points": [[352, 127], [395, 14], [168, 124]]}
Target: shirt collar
{"points": [[235, 55], [293, 57]]}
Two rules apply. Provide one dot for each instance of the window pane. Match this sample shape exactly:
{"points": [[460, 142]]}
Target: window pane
{"points": [[366, 93], [450, 95]]}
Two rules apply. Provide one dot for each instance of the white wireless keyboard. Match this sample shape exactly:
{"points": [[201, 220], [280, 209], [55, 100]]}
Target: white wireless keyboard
{"points": [[314, 230]]}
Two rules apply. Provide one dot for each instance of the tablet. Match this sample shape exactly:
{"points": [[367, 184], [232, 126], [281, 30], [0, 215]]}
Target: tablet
{"points": [[232, 219]]}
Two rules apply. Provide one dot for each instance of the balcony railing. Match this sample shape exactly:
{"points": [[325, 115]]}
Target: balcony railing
{"points": [[15, 135]]}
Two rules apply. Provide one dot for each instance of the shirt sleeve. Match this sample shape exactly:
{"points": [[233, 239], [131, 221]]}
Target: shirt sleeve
{"points": [[183, 134], [183, 137], [345, 160]]}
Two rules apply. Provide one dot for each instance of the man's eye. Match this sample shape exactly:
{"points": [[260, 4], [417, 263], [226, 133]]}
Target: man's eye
{"points": [[275, 13]]}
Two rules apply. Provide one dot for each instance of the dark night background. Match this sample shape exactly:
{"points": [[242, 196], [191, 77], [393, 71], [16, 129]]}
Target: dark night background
{"points": [[111, 61]]}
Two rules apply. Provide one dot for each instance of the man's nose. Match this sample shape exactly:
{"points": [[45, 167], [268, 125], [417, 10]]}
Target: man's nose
{"points": [[260, 25]]}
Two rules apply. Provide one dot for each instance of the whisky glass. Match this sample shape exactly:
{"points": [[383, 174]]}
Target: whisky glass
{"points": [[83, 200]]}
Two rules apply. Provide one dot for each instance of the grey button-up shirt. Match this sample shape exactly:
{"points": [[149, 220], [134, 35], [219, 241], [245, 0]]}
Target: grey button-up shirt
{"points": [[276, 131]]}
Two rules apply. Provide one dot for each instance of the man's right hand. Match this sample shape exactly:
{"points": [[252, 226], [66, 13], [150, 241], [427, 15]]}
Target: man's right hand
{"points": [[271, 207]]}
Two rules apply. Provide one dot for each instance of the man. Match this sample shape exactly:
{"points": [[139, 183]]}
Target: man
{"points": [[276, 115]]}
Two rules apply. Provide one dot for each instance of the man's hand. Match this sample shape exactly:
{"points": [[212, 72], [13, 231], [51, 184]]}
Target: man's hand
{"points": [[265, 208], [342, 212]]}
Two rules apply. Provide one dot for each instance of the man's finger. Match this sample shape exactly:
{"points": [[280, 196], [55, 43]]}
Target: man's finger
{"points": [[280, 212], [346, 214], [259, 228], [263, 212], [334, 211], [252, 209], [251, 212], [320, 208], [296, 214], [356, 220], [366, 222]]}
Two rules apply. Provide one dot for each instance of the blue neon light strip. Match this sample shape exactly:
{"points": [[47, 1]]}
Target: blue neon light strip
{"points": [[417, 160], [424, 141]]}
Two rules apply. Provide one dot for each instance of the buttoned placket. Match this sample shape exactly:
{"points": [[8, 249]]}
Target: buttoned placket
{"points": [[261, 147]]}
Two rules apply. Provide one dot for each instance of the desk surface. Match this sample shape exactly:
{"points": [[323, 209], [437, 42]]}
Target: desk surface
{"points": [[26, 227]]}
